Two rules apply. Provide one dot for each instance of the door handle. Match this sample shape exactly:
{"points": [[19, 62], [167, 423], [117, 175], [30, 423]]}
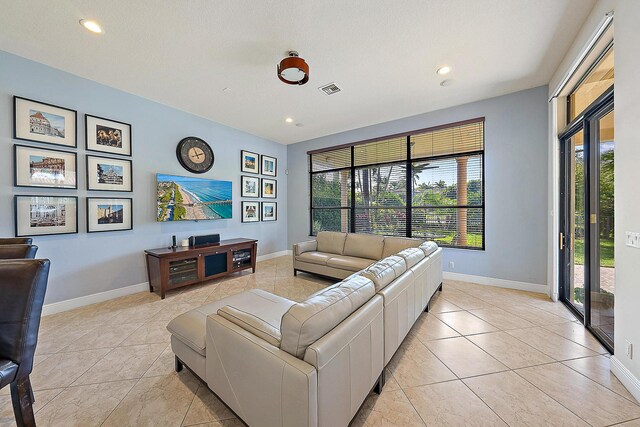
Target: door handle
{"points": [[561, 241]]}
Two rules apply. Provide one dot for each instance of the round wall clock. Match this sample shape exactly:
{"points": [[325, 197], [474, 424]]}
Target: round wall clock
{"points": [[195, 155]]}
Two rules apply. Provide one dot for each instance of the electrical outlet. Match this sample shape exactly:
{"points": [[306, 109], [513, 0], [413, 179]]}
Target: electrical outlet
{"points": [[632, 239], [451, 265], [629, 350]]}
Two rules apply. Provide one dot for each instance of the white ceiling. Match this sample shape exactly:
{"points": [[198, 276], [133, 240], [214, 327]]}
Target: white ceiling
{"points": [[382, 53]]}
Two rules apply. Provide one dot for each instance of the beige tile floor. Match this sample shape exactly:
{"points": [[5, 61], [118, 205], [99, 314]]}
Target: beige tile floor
{"points": [[482, 356]]}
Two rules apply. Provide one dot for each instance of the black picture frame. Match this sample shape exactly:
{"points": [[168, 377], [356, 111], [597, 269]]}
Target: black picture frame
{"points": [[91, 186], [89, 227], [19, 135], [16, 170], [275, 211], [86, 136], [243, 193], [16, 215], [275, 165], [258, 211], [243, 168], [275, 188]]}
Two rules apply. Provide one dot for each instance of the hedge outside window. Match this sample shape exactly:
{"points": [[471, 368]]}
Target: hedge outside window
{"points": [[427, 183]]}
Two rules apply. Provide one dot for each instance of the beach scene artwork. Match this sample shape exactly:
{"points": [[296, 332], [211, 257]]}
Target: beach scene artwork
{"points": [[184, 198]]}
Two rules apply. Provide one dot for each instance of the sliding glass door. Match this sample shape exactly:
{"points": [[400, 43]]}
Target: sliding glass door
{"points": [[587, 223]]}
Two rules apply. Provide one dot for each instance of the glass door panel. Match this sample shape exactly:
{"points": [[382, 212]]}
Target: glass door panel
{"points": [[603, 286], [575, 238]]}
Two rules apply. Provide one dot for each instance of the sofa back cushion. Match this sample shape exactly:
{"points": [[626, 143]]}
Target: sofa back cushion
{"points": [[364, 246], [428, 248], [393, 245], [308, 321], [412, 256], [331, 242], [385, 271]]}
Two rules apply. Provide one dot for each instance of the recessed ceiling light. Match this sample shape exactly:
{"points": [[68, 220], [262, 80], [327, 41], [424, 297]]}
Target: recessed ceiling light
{"points": [[91, 25], [443, 70], [299, 125], [288, 120], [446, 83], [226, 89]]}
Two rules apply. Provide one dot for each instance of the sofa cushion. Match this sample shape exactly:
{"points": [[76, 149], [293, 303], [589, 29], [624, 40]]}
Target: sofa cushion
{"points": [[252, 323], [320, 258], [411, 256], [385, 271], [190, 327], [428, 248], [306, 322], [331, 242], [349, 262], [393, 245], [396, 262], [364, 246]]}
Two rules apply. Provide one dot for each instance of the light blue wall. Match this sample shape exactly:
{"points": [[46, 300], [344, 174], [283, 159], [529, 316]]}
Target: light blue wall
{"points": [[85, 264], [515, 182]]}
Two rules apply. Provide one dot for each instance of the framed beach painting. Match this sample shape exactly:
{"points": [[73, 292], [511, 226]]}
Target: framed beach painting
{"points": [[107, 174], [250, 211], [269, 165], [185, 198], [250, 162], [107, 136], [40, 122], [45, 215], [250, 186], [269, 211], [39, 167], [269, 190], [106, 214]]}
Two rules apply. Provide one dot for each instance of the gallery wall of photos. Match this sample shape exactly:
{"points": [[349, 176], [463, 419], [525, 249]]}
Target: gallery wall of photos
{"points": [[258, 187], [40, 167]]}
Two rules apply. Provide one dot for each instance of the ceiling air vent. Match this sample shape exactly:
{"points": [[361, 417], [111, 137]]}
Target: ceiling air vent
{"points": [[329, 89]]}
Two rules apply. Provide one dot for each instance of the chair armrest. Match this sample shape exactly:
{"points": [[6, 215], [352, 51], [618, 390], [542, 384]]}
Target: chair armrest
{"points": [[251, 323], [302, 247], [261, 383]]}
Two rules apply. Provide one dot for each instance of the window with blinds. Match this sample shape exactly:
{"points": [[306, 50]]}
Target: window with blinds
{"points": [[427, 184]]}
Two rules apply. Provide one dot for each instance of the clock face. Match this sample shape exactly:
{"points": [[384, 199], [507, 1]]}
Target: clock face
{"points": [[195, 155]]}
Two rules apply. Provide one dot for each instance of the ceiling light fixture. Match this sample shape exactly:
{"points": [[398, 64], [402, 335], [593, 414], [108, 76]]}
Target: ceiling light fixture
{"points": [[91, 25], [443, 70], [447, 82], [293, 70], [288, 120]]}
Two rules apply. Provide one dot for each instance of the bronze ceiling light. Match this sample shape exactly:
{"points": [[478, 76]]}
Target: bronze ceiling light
{"points": [[293, 70]]}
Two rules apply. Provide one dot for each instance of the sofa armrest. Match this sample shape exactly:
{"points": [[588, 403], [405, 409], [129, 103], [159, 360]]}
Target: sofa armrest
{"points": [[261, 383], [252, 323], [302, 247]]}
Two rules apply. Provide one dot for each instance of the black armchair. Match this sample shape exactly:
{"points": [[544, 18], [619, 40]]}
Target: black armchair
{"points": [[23, 283], [18, 251], [16, 240]]}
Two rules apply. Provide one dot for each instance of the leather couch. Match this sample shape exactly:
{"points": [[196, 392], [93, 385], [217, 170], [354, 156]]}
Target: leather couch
{"points": [[276, 362], [338, 255]]}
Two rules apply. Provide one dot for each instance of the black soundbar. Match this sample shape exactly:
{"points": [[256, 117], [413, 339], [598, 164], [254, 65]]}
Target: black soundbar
{"points": [[208, 239]]}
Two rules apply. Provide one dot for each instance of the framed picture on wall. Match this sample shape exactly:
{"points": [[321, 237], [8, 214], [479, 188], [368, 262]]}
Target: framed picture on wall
{"points": [[107, 174], [250, 186], [269, 211], [269, 165], [269, 190], [107, 136], [45, 215], [250, 211], [40, 122], [249, 162], [39, 167], [106, 214]]}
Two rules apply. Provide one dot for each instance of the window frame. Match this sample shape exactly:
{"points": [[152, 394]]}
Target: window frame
{"points": [[408, 162]]}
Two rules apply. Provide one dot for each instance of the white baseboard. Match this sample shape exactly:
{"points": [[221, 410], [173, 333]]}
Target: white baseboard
{"points": [[274, 255], [70, 304], [501, 283], [626, 377]]}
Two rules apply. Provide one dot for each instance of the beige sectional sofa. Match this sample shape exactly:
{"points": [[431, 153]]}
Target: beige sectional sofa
{"points": [[339, 255], [277, 362]]}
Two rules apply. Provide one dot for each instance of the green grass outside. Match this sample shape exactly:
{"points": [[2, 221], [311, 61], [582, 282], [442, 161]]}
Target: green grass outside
{"points": [[473, 239], [606, 252]]}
